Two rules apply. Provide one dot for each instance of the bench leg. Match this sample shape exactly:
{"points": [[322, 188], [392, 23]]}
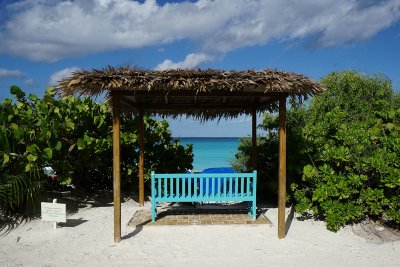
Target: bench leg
{"points": [[153, 211], [254, 210]]}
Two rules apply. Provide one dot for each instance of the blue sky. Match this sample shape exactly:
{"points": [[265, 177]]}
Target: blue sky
{"points": [[43, 41]]}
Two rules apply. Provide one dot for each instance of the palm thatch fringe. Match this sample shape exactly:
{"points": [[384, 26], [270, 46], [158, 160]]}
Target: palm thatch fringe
{"points": [[181, 85]]}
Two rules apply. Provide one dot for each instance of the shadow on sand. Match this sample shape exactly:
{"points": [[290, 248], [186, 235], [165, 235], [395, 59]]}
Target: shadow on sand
{"points": [[137, 230], [9, 221], [74, 200], [72, 222], [289, 220]]}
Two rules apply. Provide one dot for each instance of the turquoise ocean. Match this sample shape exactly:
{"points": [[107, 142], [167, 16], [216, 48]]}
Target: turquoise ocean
{"points": [[211, 152]]}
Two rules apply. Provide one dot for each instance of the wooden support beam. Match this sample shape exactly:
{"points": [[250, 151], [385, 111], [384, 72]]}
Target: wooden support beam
{"points": [[171, 93], [282, 168], [254, 140], [116, 168], [141, 157], [162, 106]]}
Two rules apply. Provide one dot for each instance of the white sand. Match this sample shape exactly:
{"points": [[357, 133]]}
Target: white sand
{"points": [[90, 243]]}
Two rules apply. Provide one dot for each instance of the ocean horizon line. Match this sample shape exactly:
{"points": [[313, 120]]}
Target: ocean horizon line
{"points": [[208, 137]]}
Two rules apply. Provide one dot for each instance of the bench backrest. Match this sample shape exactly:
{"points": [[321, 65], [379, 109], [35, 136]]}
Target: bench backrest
{"points": [[203, 186]]}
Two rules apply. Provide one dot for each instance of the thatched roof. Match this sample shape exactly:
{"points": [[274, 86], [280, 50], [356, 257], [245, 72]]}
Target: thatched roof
{"points": [[199, 93]]}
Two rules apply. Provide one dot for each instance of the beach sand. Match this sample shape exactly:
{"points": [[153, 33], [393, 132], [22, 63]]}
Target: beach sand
{"points": [[87, 240]]}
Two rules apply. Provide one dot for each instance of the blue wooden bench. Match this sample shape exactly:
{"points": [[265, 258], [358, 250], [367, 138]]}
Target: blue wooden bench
{"points": [[204, 187]]}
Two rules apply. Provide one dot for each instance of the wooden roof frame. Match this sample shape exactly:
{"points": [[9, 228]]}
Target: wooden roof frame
{"points": [[202, 94], [160, 101]]}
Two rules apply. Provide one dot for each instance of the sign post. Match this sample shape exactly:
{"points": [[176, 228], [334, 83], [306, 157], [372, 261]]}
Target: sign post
{"points": [[54, 212]]}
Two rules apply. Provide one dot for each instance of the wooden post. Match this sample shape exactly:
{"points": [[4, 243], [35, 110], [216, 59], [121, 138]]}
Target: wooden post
{"points": [[254, 140], [55, 223], [282, 167], [141, 157], [116, 169]]}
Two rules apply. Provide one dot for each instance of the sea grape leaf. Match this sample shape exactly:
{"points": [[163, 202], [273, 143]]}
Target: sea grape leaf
{"points": [[81, 143], [48, 153], [6, 159]]}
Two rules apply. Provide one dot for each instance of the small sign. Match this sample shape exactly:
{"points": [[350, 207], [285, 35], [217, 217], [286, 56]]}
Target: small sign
{"points": [[54, 212]]}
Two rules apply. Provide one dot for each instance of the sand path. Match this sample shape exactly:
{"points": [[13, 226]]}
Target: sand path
{"points": [[88, 241]]}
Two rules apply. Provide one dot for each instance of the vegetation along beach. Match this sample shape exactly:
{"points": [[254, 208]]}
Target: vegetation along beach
{"points": [[199, 133]]}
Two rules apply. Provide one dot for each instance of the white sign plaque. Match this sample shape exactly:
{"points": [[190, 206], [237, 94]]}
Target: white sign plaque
{"points": [[54, 212]]}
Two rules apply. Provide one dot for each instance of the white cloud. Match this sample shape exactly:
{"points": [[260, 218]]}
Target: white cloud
{"points": [[59, 75], [5, 73], [52, 30], [29, 82], [191, 61]]}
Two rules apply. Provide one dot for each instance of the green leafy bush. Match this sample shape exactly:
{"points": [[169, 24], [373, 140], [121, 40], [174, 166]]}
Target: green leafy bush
{"points": [[353, 136], [74, 137], [343, 152], [267, 150]]}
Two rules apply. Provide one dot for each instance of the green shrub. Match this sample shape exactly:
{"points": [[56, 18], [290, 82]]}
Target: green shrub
{"points": [[343, 151], [74, 137], [267, 150], [353, 134]]}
